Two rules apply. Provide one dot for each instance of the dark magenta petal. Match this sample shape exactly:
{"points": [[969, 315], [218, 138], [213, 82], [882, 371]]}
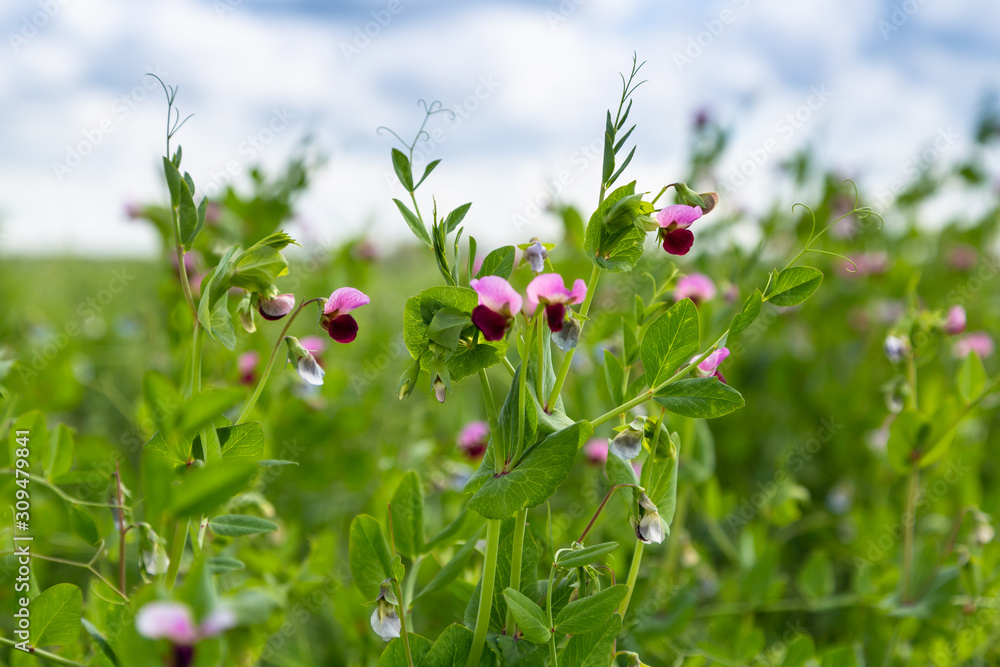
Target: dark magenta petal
{"points": [[493, 325], [722, 378], [342, 328], [678, 242], [183, 656], [555, 315]]}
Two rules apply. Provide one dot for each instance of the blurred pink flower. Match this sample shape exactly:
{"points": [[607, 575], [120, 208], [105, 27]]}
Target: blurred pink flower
{"points": [[473, 438], [962, 257], [868, 263], [954, 323], [979, 342], [596, 451], [246, 365], [695, 286], [314, 344]]}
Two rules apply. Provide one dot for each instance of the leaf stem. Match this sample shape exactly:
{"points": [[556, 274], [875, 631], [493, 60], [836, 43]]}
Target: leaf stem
{"points": [[486, 592], [43, 654], [56, 490], [491, 415], [399, 593], [73, 563], [122, 530], [909, 527], [604, 502], [270, 362], [510, 627], [633, 575], [548, 603], [176, 553]]}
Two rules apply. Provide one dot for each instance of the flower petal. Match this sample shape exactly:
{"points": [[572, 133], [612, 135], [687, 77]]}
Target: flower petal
{"points": [[276, 308], [496, 294], [310, 370], [579, 291], [678, 242], [343, 328], [555, 316], [344, 300], [167, 620], [218, 621], [712, 361], [492, 324], [385, 623], [679, 216]]}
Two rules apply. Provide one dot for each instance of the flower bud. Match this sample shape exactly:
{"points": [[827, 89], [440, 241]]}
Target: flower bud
{"points": [[896, 348], [535, 255], [568, 337], [305, 363], [277, 307], [440, 380], [245, 310], [409, 380], [628, 443]]}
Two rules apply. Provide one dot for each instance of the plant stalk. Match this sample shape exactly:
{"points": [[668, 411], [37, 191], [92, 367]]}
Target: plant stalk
{"points": [[567, 361], [510, 627], [486, 592], [633, 575]]}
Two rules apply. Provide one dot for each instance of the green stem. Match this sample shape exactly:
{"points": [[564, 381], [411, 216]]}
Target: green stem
{"points": [[510, 627], [604, 502], [399, 593], [567, 361], [548, 600], [73, 563], [44, 655], [540, 368], [411, 584], [270, 362], [56, 490], [486, 592], [122, 530], [522, 390], [176, 553], [909, 527], [633, 574], [491, 415]]}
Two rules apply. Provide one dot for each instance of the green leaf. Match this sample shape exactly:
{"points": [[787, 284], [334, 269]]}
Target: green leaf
{"points": [[414, 223], [573, 558], [748, 314], [61, 449], [204, 489], [38, 441], [174, 181], [408, 516], [368, 555], [452, 568], [452, 649], [258, 268], [55, 616], [700, 398], [213, 312], [816, 579], [793, 286], [613, 250], [188, 219], [455, 218], [499, 262], [447, 326], [614, 374], [907, 435], [83, 525], [608, 165], [234, 525], [395, 654], [591, 612], [404, 172], [971, 378], [536, 477], [243, 441], [427, 172], [529, 616], [591, 649], [670, 341], [100, 641], [659, 478], [620, 472], [219, 565]]}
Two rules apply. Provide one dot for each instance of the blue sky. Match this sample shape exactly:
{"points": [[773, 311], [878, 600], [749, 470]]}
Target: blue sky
{"points": [[873, 83]]}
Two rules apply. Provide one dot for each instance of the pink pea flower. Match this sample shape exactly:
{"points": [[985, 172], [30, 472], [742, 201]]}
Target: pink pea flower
{"points": [[246, 364], [695, 286], [276, 308], [865, 264], [596, 451], [174, 622], [473, 438], [674, 222], [498, 302], [979, 342], [709, 367], [549, 290], [962, 257], [954, 323], [314, 344], [342, 327]]}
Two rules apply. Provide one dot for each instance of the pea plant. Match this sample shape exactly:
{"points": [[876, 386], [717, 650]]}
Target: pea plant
{"points": [[169, 587], [479, 326]]}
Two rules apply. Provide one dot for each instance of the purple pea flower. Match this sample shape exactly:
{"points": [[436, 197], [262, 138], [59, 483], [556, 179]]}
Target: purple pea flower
{"points": [[709, 367], [246, 364], [276, 308], [596, 451], [175, 622], [549, 290], [979, 342], [674, 222], [498, 303], [473, 437], [338, 323], [955, 322], [695, 286]]}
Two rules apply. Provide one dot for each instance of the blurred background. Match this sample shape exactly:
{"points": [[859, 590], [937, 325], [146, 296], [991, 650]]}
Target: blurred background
{"points": [[869, 85]]}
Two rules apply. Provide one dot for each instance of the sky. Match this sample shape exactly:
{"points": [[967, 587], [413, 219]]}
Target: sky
{"points": [[870, 84]]}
